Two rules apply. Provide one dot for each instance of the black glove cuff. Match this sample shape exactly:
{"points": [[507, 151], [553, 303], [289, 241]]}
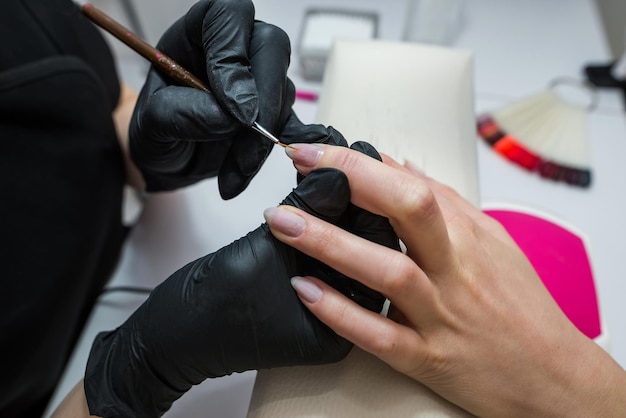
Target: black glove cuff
{"points": [[110, 373]]}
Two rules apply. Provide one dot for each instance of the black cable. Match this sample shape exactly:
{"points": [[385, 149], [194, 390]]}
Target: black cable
{"points": [[129, 289]]}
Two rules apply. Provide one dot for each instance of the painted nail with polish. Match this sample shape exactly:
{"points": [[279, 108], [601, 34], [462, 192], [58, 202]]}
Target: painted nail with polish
{"points": [[307, 155], [285, 221], [306, 289]]}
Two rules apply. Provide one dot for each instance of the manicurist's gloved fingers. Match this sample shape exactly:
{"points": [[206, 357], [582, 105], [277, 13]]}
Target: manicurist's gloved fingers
{"points": [[295, 131], [212, 42], [172, 113], [269, 53], [179, 136]]}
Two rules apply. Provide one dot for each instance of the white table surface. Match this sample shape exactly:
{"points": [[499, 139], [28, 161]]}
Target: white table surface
{"points": [[519, 46]]}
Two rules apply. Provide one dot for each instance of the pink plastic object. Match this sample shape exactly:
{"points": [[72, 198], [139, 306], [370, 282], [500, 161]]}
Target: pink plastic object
{"points": [[561, 259]]}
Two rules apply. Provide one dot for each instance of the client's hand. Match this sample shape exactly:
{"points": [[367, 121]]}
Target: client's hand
{"points": [[180, 135], [231, 311], [470, 318]]}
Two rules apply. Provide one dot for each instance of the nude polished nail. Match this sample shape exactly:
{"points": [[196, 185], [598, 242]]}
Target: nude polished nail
{"points": [[306, 289], [307, 155], [285, 221]]}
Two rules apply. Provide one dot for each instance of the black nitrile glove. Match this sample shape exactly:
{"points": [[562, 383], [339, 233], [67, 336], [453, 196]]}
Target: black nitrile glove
{"points": [[180, 135], [231, 311]]}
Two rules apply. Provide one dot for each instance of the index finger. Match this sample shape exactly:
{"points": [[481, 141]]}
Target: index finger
{"points": [[406, 200]]}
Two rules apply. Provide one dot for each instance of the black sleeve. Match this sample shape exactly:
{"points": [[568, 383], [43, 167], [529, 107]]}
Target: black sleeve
{"points": [[35, 29], [62, 178]]}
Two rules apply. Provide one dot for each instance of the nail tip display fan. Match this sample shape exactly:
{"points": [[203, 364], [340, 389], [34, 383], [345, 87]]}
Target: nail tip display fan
{"points": [[542, 133]]}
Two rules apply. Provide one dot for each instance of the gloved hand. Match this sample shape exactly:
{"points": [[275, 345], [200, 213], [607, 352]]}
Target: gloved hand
{"points": [[180, 135], [230, 311]]}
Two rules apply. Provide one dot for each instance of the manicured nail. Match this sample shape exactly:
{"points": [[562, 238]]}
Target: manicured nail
{"points": [[306, 289], [307, 155], [285, 221]]}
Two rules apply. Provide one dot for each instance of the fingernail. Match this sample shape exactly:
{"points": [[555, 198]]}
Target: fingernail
{"points": [[307, 155], [306, 289], [285, 221]]}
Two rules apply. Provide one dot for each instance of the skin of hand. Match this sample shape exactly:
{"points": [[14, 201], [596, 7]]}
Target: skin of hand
{"points": [[74, 405], [181, 135], [469, 316]]}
